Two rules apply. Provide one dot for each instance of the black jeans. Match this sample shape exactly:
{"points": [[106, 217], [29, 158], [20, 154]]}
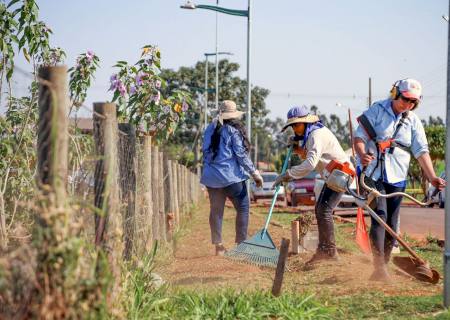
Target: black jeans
{"points": [[388, 210], [327, 201]]}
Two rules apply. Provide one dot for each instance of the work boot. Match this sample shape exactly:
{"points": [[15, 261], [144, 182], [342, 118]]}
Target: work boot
{"points": [[380, 272], [324, 255], [220, 249]]}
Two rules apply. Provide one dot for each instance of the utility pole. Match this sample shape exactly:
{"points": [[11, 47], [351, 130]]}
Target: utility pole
{"points": [[370, 91], [447, 190]]}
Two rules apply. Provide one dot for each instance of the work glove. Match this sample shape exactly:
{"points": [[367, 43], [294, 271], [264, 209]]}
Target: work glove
{"points": [[285, 177], [257, 178]]}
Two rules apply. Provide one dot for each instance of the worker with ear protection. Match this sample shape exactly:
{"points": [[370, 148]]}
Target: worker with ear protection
{"points": [[388, 133]]}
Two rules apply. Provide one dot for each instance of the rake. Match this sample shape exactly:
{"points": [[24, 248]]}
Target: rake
{"points": [[260, 249]]}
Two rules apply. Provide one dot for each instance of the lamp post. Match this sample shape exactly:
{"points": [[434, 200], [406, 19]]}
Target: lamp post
{"points": [[239, 13], [447, 174], [206, 82]]}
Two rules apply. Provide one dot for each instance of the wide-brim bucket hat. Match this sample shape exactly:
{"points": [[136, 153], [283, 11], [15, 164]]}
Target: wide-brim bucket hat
{"points": [[299, 115], [228, 110]]}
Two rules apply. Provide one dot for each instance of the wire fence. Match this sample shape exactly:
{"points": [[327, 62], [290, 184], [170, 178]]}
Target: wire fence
{"points": [[114, 167]]}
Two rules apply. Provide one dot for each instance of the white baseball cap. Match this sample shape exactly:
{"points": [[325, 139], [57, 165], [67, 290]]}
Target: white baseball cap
{"points": [[410, 88]]}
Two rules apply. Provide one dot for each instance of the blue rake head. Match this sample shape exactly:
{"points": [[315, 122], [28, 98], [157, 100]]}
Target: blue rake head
{"points": [[259, 249]]}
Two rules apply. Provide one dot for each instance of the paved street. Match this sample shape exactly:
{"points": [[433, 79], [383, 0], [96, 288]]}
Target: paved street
{"points": [[416, 222]]}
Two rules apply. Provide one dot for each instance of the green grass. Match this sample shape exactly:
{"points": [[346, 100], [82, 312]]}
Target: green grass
{"points": [[228, 304], [148, 302], [374, 305]]}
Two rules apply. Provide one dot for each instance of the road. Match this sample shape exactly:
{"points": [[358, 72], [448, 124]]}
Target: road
{"points": [[416, 222]]}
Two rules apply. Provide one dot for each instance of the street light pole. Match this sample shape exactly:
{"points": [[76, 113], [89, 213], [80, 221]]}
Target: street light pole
{"points": [[249, 89], [206, 82], [217, 58], [447, 174], [206, 90], [240, 13]]}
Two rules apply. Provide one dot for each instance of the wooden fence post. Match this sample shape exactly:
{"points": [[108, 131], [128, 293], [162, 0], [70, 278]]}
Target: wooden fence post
{"points": [[52, 227], [168, 197], [108, 225], [180, 189], [145, 213], [162, 207], [155, 193], [52, 143], [175, 193], [127, 173], [281, 265], [295, 236]]}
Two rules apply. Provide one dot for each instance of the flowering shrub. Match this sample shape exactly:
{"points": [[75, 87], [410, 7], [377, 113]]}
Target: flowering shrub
{"points": [[81, 76], [137, 90]]}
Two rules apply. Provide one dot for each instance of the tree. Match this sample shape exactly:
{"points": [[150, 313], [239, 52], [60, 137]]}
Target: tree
{"points": [[184, 142]]}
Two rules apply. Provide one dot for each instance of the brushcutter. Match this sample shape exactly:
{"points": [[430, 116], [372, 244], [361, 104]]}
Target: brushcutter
{"points": [[414, 265]]}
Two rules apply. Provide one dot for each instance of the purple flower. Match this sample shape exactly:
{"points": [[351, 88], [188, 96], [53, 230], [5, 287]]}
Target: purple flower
{"points": [[166, 109], [121, 87], [158, 84], [132, 89], [138, 79], [90, 55], [184, 107]]}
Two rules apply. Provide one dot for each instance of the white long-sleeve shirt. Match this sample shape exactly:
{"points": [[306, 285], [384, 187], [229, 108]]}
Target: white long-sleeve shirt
{"points": [[322, 146]]}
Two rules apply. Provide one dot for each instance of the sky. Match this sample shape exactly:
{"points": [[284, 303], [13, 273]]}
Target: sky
{"points": [[319, 52]]}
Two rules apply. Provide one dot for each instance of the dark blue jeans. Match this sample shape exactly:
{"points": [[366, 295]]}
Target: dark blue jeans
{"points": [[388, 210], [237, 193], [325, 204]]}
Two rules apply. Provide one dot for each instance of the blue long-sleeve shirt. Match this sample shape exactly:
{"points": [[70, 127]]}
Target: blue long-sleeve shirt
{"points": [[411, 135], [231, 164]]}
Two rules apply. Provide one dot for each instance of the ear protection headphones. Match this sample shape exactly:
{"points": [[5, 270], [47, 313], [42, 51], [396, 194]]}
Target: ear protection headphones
{"points": [[395, 93]]}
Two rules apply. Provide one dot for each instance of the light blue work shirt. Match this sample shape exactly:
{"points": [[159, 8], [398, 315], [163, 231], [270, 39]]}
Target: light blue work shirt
{"points": [[231, 164], [411, 135]]}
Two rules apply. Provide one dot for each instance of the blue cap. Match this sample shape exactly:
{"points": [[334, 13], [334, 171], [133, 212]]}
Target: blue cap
{"points": [[297, 112]]}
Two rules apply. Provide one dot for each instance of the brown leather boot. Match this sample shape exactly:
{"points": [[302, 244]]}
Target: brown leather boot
{"points": [[324, 255], [380, 272]]}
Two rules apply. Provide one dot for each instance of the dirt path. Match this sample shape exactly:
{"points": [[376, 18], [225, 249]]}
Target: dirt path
{"points": [[194, 265]]}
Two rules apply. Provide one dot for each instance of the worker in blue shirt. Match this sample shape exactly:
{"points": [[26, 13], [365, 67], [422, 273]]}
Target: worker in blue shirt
{"points": [[226, 167], [388, 132]]}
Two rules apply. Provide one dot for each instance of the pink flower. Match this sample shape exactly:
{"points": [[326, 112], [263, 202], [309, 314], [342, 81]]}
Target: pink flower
{"points": [[158, 84], [184, 107]]}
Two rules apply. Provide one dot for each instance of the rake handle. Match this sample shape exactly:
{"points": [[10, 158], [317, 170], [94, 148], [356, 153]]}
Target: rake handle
{"points": [[277, 190]]}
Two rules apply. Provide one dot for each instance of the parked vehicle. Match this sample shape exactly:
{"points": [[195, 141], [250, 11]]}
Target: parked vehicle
{"points": [[439, 198], [301, 191], [347, 200], [266, 192]]}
